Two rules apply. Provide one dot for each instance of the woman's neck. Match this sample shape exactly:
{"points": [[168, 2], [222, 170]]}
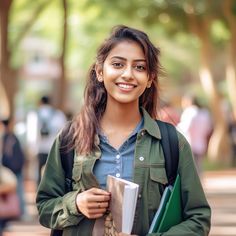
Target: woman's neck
{"points": [[118, 122], [122, 115]]}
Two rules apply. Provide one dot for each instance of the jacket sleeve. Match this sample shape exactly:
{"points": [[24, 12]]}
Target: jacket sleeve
{"points": [[196, 210], [57, 209]]}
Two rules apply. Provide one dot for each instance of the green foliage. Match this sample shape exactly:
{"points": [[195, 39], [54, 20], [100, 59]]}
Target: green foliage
{"points": [[220, 33], [90, 21]]}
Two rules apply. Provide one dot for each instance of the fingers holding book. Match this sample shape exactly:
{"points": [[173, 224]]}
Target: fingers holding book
{"points": [[102, 205], [93, 203]]}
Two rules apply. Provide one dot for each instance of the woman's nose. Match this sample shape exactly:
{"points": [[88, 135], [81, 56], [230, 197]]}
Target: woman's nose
{"points": [[127, 73]]}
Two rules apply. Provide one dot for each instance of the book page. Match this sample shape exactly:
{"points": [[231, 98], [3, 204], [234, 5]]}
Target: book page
{"points": [[129, 207]]}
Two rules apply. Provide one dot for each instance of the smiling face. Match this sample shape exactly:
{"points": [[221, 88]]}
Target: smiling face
{"points": [[124, 73]]}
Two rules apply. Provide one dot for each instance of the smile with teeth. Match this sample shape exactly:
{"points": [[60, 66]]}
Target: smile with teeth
{"points": [[125, 86]]}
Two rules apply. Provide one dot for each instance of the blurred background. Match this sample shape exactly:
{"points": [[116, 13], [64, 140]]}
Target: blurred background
{"points": [[46, 48]]}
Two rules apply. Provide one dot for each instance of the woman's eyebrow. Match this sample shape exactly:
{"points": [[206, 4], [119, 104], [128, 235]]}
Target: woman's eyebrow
{"points": [[124, 59]]}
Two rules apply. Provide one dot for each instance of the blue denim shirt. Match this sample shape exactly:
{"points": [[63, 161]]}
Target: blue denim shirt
{"points": [[119, 163]]}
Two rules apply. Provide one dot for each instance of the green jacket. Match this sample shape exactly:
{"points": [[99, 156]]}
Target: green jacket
{"points": [[57, 209]]}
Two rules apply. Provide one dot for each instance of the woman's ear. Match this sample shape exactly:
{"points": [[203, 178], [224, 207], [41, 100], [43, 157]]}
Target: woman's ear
{"points": [[149, 84], [150, 80], [99, 74]]}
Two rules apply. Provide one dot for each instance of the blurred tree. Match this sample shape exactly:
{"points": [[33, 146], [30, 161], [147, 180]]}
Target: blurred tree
{"points": [[4, 111], [229, 11], [62, 58], [200, 24], [8, 74]]}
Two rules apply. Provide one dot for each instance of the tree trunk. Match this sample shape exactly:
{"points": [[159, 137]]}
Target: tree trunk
{"points": [[231, 63], [219, 148], [4, 111], [219, 145], [7, 76], [62, 80]]}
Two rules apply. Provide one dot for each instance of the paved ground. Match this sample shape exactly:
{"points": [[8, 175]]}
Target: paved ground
{"points": [[220, 188]]}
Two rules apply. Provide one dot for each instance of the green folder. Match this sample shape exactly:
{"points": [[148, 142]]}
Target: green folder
{"points": [[169, 212]]}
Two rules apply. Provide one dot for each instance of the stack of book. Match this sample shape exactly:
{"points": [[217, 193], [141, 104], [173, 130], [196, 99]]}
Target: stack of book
{"points": [[124, 196], [169, 212]]}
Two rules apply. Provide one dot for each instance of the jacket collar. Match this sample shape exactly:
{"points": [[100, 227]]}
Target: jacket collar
{"points": [[150, 125]]}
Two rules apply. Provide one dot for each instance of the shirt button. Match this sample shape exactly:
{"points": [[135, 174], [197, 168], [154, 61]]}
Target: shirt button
{"points": [[139, 196], [143, 132], [118, 156], [141, 158], [118, 175]]}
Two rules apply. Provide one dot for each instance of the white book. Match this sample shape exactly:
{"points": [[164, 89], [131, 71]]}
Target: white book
{"points": [[124, 196]]}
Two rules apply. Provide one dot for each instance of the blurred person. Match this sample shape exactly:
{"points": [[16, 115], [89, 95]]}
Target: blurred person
{"points": [[196, 125], [49, 122], [7, 186], [169, 113], [232, 132], [116, 133], [13, 157], [9, 201]]}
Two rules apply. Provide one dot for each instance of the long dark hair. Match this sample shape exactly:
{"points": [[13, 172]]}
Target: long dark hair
{"points": [[86, 124]]}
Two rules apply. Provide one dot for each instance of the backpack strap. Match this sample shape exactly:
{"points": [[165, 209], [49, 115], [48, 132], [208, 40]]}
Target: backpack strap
{"points": [[67, 156], [67, 161], [170, 146], [56, 232]]}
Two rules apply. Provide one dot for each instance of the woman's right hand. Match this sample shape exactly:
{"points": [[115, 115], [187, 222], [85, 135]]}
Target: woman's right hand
{"points": [[93, 203]]}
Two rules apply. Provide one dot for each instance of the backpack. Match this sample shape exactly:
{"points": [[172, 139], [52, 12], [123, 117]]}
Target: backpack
{"points": [[169, 144], [44, 130], [45, 124], [12, 153]]}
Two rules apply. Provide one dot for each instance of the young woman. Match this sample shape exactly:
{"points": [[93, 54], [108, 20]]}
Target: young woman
{"points": [[116, 133]]}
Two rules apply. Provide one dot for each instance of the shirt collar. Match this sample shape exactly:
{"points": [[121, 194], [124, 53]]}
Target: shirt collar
{"points": [[102, 137], [150, 125]]}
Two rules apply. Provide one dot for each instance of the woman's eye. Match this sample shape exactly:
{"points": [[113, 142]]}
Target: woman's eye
{"points": [[117, 64], [140, 67]]}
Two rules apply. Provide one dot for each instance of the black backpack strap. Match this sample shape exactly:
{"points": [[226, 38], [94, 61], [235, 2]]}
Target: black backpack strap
{"points": [[67, 155], [67, 161], [170, 145], [56, 232]]}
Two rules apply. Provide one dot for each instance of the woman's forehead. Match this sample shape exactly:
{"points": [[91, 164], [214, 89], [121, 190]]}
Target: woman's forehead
{"points": [[127, 49]]}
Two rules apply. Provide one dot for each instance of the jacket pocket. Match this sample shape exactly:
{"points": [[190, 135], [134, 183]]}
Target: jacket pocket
{"points": [[158, 174], [158, 178]]}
